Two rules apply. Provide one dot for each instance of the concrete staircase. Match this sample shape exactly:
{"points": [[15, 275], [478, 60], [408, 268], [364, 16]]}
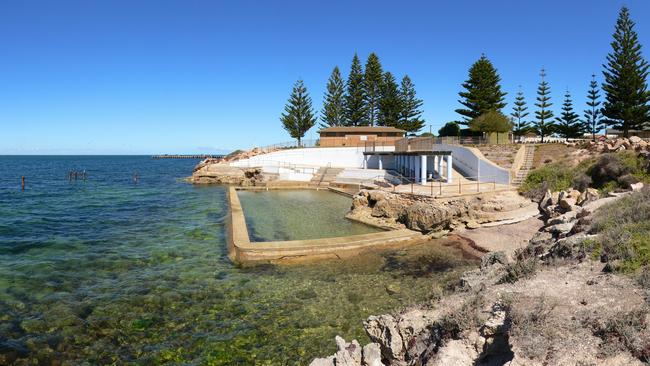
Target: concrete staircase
{"points": [[324, 177], [526, 167]]}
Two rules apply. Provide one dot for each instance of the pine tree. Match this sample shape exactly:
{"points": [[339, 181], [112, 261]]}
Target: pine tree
{"points": [[373, 79], [544, 124], [568, 124], [593, 118], [483, 92], [519, 112], [333, 108], [410, 118], [298, 116], [389, 102], [355, 105], [626, 96]]}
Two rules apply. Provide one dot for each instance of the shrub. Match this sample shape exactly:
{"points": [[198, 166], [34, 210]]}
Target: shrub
{"points": [[467, 316], [557, 176], [625, 330], [608, 168], [520, 269], [531, 325], [581, 182], [623, 229]]}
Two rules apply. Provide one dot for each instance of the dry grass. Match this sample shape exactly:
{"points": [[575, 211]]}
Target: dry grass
{"points": [[531, 325], [550, 153]]}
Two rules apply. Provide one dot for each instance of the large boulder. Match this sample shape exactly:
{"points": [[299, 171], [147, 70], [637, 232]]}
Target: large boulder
{"points": [[427, 217], [587, 196]]}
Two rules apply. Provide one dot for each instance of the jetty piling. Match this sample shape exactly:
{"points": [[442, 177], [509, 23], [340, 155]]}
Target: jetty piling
{"points": [[22, 183]]}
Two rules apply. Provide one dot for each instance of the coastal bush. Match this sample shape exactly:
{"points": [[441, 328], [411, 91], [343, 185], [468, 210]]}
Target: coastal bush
{"points": [[467, 316], [523, 267], [624, 331], [531, 325], [608, 173], [623, 229], [556, 176]]}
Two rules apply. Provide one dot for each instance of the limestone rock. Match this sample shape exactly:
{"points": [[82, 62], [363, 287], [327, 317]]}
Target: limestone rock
{"points": [[329, 361], [587, 196], [383, 330], [349, 354], [372, 355], [636, 186]]}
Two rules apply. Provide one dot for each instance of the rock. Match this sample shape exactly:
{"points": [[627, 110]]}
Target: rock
{"points": [[329, 361], [636, 186], [493, 258], [471, 224], [371, 355], [587, 196], [567, 203], [375, 196], [393, 289], [560, 229], [382, 329], [547, 200], [359, 201], [388, 208], [349, 354], [635, 139], [564, 218], [431, 216]]}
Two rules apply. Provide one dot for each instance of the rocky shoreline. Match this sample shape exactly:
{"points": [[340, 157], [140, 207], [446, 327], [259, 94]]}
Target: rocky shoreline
{"points": [[549, 296]]}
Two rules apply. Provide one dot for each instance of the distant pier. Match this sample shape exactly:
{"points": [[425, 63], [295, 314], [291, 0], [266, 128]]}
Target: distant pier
{"points": [[204, 156]]}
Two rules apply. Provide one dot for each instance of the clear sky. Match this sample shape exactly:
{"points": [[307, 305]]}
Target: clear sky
{"points": [[186, 76]]}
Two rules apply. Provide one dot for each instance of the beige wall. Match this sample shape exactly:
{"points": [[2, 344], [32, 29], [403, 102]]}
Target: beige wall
{"points": [[357, 140]]}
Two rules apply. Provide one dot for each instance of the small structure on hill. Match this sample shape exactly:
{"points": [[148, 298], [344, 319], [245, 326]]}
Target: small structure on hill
{"points": [[359, 136]]}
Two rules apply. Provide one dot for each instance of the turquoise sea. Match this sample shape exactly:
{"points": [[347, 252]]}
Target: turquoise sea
{"points": [[106, 271]]}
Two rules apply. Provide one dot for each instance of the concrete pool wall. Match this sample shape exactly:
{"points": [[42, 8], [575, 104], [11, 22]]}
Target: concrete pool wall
{"points": [[242, 250]]}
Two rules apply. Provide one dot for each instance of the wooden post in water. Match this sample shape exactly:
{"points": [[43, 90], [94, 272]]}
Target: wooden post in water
{"points": [[22, 182]]}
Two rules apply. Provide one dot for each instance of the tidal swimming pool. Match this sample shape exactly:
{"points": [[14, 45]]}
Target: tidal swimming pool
{"points": [[298, 214], [107, 272]]}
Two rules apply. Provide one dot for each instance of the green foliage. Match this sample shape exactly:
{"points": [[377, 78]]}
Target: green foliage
{"points": [[482, 91], [556, 177], [449, 129], [298, 116], [592, 115], [355, 105], [626, 104], [568, 125], [544, 124], [410, 118], [373, 80], [333, 105], [607, 173], [390, 103], [522, 268], [519, 112], [491, 121], [623, 229]]}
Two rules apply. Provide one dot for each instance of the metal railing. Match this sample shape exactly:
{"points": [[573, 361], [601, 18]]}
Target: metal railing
{"points": [[274, 163], [437, 187]]}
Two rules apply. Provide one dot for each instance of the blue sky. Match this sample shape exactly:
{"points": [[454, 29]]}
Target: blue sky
{"points": [[186, 76]]}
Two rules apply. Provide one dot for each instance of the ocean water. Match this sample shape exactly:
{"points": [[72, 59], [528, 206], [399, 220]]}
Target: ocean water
{"points": [[106, 271]]}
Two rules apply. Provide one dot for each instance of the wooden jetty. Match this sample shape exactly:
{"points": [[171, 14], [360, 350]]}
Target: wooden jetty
{"points": [[203, 156]]}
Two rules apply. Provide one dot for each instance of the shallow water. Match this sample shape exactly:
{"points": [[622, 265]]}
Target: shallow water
{"points": [[298, 214], [107, 271]]}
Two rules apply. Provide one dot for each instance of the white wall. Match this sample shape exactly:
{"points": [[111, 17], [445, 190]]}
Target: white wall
{"points": [[338, 157], [469, 164]]}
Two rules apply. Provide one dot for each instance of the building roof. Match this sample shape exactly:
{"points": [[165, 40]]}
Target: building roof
{"points": [[361, 129]]}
